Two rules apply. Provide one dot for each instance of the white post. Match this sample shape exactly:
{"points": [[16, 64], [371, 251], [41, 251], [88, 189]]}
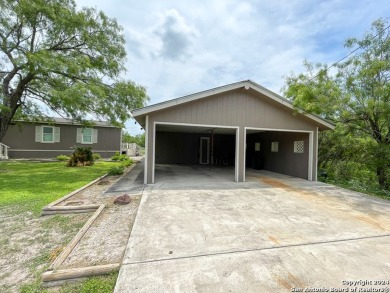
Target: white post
{"points": [[6, 152]]}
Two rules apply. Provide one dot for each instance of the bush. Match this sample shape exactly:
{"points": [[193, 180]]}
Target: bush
{"points": [[116, 170], [82, 156], [127, 163], [118, 157], [96, 156], [62, 158]]}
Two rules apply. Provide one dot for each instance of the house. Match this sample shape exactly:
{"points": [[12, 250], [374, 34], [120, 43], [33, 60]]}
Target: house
{"points": [[50, 139], [242, 124]]}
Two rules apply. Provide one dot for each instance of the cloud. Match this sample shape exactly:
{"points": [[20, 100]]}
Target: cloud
{"points": [[176, 35]]}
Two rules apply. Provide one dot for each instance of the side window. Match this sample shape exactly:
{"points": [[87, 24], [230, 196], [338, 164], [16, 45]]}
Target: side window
{"points": [[274, 147], [47, 134], [87, 135]]}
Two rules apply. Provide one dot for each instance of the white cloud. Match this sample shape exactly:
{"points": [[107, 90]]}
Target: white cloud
{"points": [[180, 47], [176, 36]]}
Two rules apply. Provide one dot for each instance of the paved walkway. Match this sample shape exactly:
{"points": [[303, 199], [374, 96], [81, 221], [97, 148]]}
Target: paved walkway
{"points": [[132, 182], [272, 234]]}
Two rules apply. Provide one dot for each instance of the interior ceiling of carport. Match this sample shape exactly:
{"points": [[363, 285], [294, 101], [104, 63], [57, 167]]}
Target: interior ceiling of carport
{"points": [[194, 129]]}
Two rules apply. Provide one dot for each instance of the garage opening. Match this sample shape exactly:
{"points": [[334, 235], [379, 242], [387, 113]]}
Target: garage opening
{"points": [[188, 153], [283, 152]]}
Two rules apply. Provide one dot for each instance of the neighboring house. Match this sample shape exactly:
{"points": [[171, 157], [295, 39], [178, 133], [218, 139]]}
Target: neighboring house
{"points": [[50, 139], [241, 124]]}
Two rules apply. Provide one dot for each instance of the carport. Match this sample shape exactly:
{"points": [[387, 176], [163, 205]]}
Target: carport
{"points": [[195, 148], [242, 125]]}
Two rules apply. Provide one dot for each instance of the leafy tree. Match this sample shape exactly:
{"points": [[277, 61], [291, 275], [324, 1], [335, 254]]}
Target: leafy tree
{"points": [[55, 57], [138, 139], [356, 95]]}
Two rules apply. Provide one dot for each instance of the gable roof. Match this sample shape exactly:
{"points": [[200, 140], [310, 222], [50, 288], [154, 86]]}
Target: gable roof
{"points": [[138, 114]]}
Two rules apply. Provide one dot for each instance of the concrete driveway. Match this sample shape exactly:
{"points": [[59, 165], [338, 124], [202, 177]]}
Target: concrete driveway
{"points": [[272, 234]]}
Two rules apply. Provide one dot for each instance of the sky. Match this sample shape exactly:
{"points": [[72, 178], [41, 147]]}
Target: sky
{"points": [[175, 47]]}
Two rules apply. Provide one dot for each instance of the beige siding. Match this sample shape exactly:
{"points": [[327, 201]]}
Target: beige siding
{"points": [[238, 108]]}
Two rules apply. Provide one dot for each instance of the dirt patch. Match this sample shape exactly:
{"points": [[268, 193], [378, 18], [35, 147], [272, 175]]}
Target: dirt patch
{"points": [[27, 242], [329, 203]]}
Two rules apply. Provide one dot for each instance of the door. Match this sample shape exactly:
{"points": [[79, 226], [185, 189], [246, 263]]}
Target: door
{"points": [[204, 150]]}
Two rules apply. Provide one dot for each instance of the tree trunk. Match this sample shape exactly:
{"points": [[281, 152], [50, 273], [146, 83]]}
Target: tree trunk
{"points": [[380, 172], [5, 120]]}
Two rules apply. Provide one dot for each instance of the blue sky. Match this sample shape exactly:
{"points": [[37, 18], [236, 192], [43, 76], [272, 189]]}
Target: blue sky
{"points": [[178, 47]]}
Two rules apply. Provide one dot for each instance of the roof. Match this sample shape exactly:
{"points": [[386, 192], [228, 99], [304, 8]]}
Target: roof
{"points": [[138, 114], [64, 121]]}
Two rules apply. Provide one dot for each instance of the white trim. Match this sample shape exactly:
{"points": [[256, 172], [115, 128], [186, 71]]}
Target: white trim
{"points": [[243, 173], [154, 151], [310, 167], [316, 165], [278, 129], [311, 142], [236, 164], [196, 125], [146, 149], [237, 128], [201, 151], [248, 84]]}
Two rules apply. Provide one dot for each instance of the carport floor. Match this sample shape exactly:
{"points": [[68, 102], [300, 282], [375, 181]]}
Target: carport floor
{"points": [[271, 234], [180, 173]]}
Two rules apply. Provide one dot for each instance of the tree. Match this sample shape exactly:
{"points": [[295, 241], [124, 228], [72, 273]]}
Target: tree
{"points": [[357, 95], [137, 139], [56, 58]]}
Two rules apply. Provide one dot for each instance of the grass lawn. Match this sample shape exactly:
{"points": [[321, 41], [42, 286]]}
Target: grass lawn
{"points": [[29, 186], [26, 187]]}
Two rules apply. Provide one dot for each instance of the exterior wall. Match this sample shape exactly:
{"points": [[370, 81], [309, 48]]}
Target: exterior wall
{"points": [[240, 108], [183, 148], [285, 161], [177, 148], [21, 140]]}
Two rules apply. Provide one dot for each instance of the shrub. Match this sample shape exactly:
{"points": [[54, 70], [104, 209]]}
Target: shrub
{"points": [[96, 156], [62, 158], [118, 157], [116, 170], [82, 156], [127, 163]]}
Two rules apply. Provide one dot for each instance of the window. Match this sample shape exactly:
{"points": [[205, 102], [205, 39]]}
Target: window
{"points": [[47, 134], [298, 146], [86, 135], [257, 146], [274, 146]]}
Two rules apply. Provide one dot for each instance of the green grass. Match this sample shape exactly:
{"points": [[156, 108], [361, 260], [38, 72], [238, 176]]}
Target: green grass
{"points": [[29, 186], [101, 284]]}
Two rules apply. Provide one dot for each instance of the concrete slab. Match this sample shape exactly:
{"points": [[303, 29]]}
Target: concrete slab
{"points": [[132, 182], [268, 235], [176, 173]]}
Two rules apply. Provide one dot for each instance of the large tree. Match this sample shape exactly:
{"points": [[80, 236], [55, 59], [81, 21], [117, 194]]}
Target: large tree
{"points": [[57, 58], [355, 93]]}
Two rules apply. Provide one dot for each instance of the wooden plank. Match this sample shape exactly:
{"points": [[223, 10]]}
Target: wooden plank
{"points": [[75, 273], [49, 213], [65, 208], [68, 249], [74, 192]]}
